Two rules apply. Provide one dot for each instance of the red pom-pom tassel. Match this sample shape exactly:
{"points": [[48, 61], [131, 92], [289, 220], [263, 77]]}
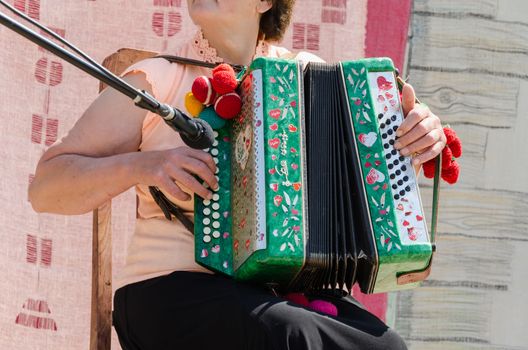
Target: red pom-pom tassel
{"points": [[450, 175], [447, 157], [429, 168], [224, 79], [203, 91], [223, 67], [456, 148], [450, 135], [450, 168]]}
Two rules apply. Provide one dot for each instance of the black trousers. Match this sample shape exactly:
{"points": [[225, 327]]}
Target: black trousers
{"points": [[187, 310]]}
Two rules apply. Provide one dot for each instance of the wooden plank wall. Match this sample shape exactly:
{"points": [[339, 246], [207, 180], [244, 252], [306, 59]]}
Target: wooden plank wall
{"points": [[468, 60]]}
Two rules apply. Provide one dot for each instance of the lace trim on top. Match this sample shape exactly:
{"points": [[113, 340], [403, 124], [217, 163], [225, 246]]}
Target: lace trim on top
{"points": [[209, 54]]}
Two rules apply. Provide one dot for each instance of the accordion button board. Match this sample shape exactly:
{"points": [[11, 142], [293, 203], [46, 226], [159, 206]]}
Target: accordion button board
{"points": [[312, 193]]}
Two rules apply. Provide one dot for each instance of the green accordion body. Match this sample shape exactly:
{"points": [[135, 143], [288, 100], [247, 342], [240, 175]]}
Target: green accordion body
{"points": [[364, 222]]}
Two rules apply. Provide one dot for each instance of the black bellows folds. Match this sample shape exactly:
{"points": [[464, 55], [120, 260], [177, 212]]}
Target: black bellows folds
{"points": [[338, 246]]}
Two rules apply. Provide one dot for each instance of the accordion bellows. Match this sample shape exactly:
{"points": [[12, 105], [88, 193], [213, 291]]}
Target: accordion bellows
{"points": [[312, 192]]}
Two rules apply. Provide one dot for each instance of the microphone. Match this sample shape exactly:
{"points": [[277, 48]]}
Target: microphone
{"points": [[196, 133]]}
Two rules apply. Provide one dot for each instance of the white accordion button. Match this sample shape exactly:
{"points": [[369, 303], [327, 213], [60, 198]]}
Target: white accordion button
{"points": [[214, 152], [216, 197], [206, 202], [216, 206], [207, 230], [216, 215], [216, 224], [216, 234], [206, 221], [207, 211], [207, 239]]}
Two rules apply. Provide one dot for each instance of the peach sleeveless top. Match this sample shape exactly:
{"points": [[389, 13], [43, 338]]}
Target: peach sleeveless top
{"points": [[159, 246]]}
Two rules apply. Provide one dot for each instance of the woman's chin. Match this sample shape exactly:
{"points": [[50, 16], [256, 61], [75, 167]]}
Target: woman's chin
{"points": [[202, 15]]}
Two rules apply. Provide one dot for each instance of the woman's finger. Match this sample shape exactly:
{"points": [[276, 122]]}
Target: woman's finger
{"points": [[429, 153], [415, 116], [198, 167], [202, 156], [429, 139], [419, 129], [408, 99], [171, 188], [191, 183]]}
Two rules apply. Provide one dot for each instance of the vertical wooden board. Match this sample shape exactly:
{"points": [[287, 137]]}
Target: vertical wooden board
{"points": [[491, 35], [506, 153], [487, 47], [483, 8], [444, 315], [433, 345], [465, 98], [469, 59], [509, 310], [475, 314], [481, 213], [511, 10], [459, 262]]}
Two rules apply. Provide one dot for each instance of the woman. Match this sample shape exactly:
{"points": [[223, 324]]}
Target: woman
{"points": [[166, 300]]}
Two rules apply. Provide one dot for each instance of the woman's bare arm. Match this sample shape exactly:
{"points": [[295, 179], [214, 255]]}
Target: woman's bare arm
{"points": [[98, 159]]}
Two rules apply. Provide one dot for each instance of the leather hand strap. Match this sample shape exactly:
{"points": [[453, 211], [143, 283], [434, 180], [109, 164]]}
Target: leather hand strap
{"points": [[170, 208]]}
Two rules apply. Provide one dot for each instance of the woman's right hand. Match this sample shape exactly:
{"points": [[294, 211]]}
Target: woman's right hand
{"points": [[169, 169]]}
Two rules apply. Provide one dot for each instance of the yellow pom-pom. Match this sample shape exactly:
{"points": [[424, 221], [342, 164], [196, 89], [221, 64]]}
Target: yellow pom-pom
{"points": [[194, 107]]}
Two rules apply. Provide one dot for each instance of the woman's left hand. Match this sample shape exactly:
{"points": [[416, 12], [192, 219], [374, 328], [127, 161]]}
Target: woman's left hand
{"points": [[421, 132]]}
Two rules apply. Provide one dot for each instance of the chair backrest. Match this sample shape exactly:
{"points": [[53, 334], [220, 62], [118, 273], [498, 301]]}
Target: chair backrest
{"points": [[101, 308]]}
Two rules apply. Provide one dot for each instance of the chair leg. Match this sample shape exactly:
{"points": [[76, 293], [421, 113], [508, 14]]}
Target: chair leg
{"points": [[101, 310]]}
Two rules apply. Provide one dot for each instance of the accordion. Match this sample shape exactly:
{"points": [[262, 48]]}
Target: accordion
{"points": [[312, 193]]}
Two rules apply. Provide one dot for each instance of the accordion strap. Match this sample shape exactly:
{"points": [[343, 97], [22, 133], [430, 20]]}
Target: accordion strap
{"points": [[193, 62], [436, 198]]}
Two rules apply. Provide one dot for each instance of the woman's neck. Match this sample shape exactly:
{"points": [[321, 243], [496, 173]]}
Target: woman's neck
{"points": [[236, 47]]}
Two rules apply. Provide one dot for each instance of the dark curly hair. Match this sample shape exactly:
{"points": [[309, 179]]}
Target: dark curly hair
{"points": [[276, 20]]}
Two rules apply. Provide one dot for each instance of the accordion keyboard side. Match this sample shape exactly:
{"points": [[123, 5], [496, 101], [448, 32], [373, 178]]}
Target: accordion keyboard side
{"points": [[213, 243], [391, 190]]}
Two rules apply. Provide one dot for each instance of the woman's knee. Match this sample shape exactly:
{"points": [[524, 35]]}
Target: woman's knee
{"points": [[392, 341], [293, 327]]}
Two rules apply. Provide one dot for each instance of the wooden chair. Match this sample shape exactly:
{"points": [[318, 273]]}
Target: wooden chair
{"points": [[101, 305]]}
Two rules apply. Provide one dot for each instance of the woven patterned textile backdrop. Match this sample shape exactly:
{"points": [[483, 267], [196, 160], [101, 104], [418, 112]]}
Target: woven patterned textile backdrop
{"points": [[46, 259]]}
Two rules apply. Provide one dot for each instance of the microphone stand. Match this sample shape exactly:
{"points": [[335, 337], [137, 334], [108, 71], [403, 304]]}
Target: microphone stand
{"points": [[196, 133]]}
